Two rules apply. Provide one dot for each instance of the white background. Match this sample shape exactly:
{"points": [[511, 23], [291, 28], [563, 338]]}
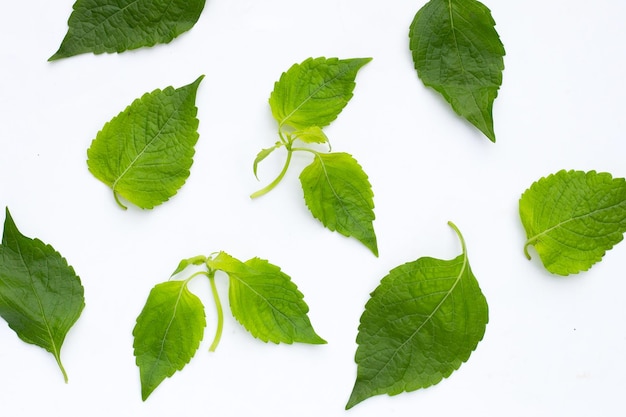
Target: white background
{"points": [[553, 346]]}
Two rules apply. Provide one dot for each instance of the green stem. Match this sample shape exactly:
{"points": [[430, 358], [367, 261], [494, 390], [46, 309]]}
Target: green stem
{"points": [[274, 183], [220, 312], [458, 233], [58, 359], [119, 203]]}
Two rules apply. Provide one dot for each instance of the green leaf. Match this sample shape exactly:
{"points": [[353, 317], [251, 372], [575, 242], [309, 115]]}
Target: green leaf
{"points": [[196, 260], [422, 322], [118, 25], [144, 154], [573, 217], [265, 301], [312, 134], [457, 51], [264, 153], [314, 92], [167, 334], [339, 194], [41, 296]]}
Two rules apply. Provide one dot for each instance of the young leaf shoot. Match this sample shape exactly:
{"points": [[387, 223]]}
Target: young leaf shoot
{"points": [[100, 26], [144, 154], [572, 218], [171, 325], [306, 98], [422, 322], [41, 296], [457, 52]]}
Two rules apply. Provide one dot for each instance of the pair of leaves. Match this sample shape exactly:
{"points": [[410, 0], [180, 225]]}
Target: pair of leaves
{"points": [[572, 218], [421, 323], [41, 297], [171, 325], [457, 52], [306, 98], [118, 25], [144, 154]]}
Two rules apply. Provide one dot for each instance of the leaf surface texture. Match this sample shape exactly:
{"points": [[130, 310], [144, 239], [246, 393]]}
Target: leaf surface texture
{"points": [[457, 52], [167, 333], [145, 153], [41, 297], [339, 194], [573, 217], [100, 26], [313, 93]]}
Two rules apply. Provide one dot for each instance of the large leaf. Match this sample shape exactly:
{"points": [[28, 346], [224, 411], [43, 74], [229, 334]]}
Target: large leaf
{"points": [[41, 296], [118, 25], [573, 217], [457, 51], [314, 92], [422, 322], [144, 154], [265, 301], [339, 194], [167, 334]]}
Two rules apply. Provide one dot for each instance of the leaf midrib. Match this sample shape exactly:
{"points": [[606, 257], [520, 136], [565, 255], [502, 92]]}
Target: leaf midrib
{"points": [[167, 330], [535, 238], [428, 318], [261, 296], [55, 351], [364, 230], [310, 97], [145, 148]]}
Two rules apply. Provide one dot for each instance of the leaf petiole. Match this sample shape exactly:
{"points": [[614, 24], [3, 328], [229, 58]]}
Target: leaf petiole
{"points": [[458, 233], [119, 203], [57, 356]]}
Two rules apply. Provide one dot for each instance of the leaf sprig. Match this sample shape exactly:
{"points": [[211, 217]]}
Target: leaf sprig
{"points": [[420, 324], [41, 297], [171, 325], [144, 154], [100, 26], [457, 52], [572, 218], [308, 97]]}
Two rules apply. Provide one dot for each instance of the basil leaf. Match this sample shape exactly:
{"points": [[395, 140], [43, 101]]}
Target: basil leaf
{"points": [[457, 51], [422, 322], [167, 334], [144, 154], [41, 297], [338, 193], [265, 301], [118, 25], [314, 92], [573, 217]]}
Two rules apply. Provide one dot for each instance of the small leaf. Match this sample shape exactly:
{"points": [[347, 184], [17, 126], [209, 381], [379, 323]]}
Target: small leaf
{"points": [[338, 193], [422, 322], [572, 218], [144, 154], [265, 301], [167, 334], [264, 153], [314, 92], [41, 296], [118, 25], [457, 51], [313, 134], [196, 260]]}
